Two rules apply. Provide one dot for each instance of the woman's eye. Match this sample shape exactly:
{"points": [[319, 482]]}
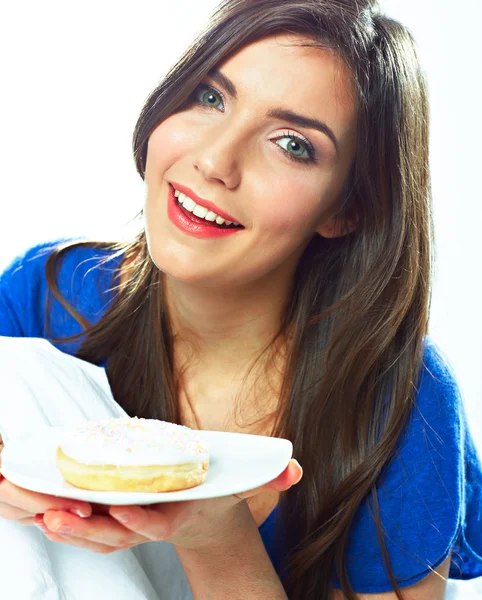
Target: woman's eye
{"points": [[297, 148], [207, 96]]}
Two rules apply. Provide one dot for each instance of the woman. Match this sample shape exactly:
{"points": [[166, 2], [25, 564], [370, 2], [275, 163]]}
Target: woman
{"points": [[280, 286]]}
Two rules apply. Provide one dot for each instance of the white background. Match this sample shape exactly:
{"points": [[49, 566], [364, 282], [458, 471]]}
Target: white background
{"points": [[74, 76]]}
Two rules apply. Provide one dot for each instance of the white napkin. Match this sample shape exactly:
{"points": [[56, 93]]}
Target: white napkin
{"points": [[43, 387]]}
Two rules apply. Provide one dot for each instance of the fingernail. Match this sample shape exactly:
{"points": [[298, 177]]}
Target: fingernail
{"points": [[123, 518], [41, 526], [80, 512], [64, 529]]}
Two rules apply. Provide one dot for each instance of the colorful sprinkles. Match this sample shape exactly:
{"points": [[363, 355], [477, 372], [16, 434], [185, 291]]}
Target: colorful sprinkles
{"points": [[133, 433]]}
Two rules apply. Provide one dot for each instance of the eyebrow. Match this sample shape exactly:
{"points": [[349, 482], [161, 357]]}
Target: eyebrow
{"points": [[277, 112]]}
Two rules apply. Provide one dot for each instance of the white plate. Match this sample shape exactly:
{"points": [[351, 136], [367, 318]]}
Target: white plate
{"points": [[238, 463]]}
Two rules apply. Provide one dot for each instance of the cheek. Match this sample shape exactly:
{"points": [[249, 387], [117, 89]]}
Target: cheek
{"points": [[167, 143], [291, 205]]}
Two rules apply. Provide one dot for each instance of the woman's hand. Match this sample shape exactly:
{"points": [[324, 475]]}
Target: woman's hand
{"points": [[196, 524], [20, 505]]}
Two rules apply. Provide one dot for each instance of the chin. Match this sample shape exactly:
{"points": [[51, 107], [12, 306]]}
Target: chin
{"points": [[181, 269]]}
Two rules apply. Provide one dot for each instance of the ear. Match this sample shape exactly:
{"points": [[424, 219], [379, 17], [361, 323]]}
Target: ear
{"points": [[336, 227]]}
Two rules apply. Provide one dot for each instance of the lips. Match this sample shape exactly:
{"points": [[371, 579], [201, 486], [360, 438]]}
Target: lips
{"points": [[206, 203], [187, 224]]}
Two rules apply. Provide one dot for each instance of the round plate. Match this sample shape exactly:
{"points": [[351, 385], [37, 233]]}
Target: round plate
{"points": [[238, 463]]}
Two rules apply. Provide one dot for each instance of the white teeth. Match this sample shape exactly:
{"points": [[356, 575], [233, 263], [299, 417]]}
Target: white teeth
{"points": [[188, 204], [211, 216], [200, 211]]}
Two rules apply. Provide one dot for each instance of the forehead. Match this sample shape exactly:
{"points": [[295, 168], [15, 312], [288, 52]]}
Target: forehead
{"points": [[278, 71]]}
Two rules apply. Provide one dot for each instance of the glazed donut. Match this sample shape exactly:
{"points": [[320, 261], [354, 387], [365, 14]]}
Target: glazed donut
{"points": [[132, 455]]}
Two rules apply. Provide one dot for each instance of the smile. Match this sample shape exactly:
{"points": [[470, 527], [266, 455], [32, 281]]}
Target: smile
{"points": [[200, 211], [197, 220]]}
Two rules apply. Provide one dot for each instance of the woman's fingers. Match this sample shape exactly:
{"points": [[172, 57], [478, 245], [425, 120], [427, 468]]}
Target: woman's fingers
{"points": [[97, 529], [33, 502], [149, 523], [12, 513], [20, 517], [127, 526], [81, 543], [290, 476]]}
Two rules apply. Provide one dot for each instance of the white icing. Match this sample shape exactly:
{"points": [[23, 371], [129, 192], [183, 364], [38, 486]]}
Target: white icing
{"points": [[133, 441]]}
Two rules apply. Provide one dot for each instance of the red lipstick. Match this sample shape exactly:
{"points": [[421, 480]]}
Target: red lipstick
{"points": [[189, 223], [209, 205]]}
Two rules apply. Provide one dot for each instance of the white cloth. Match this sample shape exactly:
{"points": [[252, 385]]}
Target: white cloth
{"points": [[43, 387]]}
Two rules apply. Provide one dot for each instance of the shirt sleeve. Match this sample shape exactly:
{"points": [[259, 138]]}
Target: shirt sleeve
{"points": [[23, 293], [84, 281], [421, 492]]}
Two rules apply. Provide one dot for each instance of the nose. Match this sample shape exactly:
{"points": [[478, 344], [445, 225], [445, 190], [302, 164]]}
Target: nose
{"points": [[217, 156]]}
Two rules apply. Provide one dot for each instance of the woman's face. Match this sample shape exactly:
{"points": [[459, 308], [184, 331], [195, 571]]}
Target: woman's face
{"points": [[275, 175]]}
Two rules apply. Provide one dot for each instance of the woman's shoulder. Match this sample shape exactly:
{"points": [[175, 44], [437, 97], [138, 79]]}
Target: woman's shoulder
{"points": [[33, 258], [83, 275], [438, 399], [437, 371], [423, 491]]}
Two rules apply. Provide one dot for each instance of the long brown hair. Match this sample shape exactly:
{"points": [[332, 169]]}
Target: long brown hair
{"points": [[360, 303]]}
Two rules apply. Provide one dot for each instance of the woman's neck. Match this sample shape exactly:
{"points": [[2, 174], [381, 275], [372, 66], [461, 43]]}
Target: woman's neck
{"points": [[224, 329], [226, 382], [218, 335]]}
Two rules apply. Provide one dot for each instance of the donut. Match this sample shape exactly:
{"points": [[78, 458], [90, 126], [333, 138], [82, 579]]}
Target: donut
{"points": [[132, 455]]}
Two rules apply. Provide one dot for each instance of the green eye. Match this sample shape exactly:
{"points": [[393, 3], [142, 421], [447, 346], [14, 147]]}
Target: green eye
{"points": [[208, 96], [296, 146]]}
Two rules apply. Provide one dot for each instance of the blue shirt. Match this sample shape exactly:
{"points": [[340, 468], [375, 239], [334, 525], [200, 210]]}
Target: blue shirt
{"points": [[430, 495]]}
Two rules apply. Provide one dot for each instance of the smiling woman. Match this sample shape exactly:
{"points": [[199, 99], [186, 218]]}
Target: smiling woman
{"points": [[218, 141], [280, 285]]}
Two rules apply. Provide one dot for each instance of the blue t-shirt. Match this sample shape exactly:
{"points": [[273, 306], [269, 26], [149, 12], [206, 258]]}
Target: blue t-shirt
{"points": [[430, 496]]}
